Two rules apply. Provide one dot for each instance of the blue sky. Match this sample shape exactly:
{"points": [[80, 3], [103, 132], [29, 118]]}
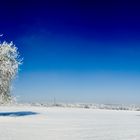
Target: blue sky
{"points": [[75, 51]]}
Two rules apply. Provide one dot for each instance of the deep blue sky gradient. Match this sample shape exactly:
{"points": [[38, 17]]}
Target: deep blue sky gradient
{"points": [[75, 51]]}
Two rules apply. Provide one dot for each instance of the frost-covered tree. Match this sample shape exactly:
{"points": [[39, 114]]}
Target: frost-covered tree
{"points": [[9, 63]]}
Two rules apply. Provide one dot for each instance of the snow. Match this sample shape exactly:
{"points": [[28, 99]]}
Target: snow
{"points": [[58, 123]]}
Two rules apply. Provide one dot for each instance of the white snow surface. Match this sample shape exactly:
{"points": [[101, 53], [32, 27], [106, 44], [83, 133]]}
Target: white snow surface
{"points": [[56, 123]]}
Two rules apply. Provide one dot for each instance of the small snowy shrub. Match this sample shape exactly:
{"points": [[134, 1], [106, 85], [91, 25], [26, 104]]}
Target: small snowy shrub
{"points": [[9, 63]]}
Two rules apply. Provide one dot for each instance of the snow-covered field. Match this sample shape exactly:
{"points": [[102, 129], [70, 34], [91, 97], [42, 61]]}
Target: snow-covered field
{"points": [[42, 123]]}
